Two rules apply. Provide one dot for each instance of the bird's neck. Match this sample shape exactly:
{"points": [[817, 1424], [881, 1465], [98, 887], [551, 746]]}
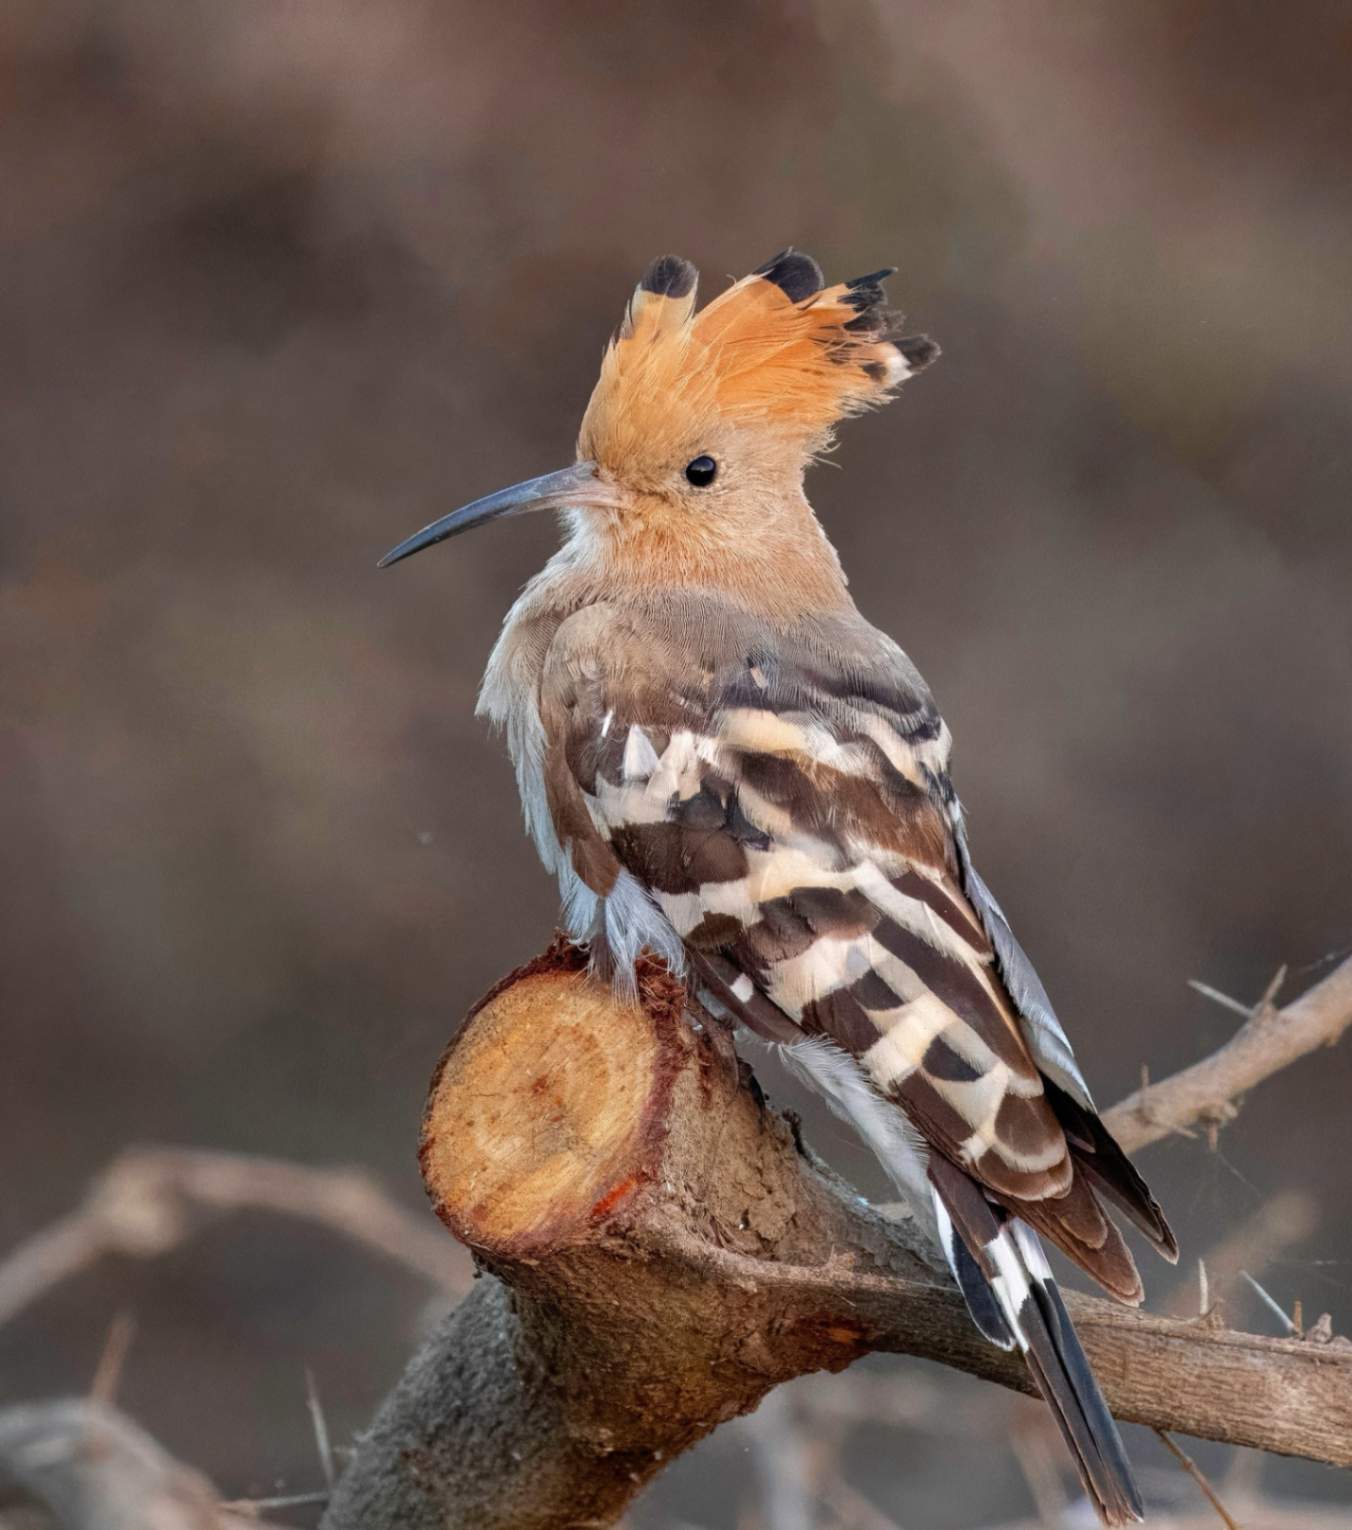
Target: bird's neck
{"points": [[781, 565]]}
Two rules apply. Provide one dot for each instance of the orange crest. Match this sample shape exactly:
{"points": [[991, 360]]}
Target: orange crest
{"points": [[779, 353]]}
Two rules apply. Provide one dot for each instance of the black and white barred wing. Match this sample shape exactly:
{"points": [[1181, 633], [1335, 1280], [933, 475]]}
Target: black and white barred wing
{"points": [[793, 823]]}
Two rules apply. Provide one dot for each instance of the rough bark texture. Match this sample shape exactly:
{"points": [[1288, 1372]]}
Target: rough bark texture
{"points": [[662, 1251]]}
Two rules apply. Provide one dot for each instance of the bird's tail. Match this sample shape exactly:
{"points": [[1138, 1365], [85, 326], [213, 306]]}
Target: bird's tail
{"points": [[1002, 1272]]}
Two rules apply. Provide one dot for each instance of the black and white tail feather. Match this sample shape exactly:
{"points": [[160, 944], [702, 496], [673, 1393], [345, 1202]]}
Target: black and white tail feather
{"points": [[999, 1266], [1003, 1274]]}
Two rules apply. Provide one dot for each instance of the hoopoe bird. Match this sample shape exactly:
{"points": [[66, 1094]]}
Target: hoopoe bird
{"points": [[725, 764]]}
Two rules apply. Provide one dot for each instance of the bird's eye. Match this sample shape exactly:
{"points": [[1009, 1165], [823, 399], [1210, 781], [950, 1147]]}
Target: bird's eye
{"points": [[701, 472]]}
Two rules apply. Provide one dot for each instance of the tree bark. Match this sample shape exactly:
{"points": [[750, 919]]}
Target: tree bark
{"points": [[660, 1250]]}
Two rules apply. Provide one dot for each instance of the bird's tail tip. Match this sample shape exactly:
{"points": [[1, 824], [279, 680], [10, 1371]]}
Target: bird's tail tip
{"points": [[1070, 1388], [1010, 1291]]}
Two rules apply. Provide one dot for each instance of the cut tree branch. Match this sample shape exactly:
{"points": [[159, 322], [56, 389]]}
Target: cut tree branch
{"points": [[663, 1250]]}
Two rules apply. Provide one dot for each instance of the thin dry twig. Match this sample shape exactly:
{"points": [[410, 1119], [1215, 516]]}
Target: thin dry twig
{"points": [[1223, 999], [113, 1359], [1199, 1477], [252, 1508], [321, 1428], [1270, 1040], [1272, 1305], [150, 1199]]}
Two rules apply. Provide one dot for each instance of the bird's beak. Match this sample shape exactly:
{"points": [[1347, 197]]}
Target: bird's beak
{"points": [[577, 485]]}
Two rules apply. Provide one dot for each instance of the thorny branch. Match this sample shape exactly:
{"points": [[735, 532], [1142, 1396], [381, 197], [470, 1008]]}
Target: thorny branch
{"points": [[1270, 1040]]}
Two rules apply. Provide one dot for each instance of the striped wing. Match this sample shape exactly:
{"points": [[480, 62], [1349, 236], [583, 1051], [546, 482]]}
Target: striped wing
{"points": [[791, 817]]}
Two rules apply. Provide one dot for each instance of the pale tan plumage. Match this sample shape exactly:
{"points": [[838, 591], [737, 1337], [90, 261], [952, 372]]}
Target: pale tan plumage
{"points": [[724, 762]]}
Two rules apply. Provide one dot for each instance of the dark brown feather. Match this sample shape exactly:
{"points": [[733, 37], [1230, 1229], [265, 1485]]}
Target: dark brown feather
{"points": [[1097, 1155]]}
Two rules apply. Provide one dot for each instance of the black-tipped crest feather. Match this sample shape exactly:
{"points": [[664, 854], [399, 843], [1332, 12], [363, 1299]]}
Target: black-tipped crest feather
{"points": [[918, 350], [778, 351], [669, 276], [796, 275]]}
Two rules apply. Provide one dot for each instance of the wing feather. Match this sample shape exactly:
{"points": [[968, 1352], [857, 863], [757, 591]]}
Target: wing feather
{"points": [[792, 819]]}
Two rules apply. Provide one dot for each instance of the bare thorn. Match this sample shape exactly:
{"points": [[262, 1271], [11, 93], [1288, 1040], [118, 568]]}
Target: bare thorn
{"points": [[256, 1506], [1203, 1290], [1282, 1318], [1223, 999], [321, 1427], [1269, 999], [1321, 1330], [1194, 1471], [113, 1358], [1213, 1319]]}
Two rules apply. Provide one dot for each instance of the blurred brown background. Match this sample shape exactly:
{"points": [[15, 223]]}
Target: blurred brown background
{"points": [[282, 280]]}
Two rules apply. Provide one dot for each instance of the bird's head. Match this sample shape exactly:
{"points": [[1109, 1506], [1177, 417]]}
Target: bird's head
{"points": [[702, 423]]}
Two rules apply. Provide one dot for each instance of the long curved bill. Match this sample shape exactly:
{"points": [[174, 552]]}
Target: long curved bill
{"points": [[576, 485]]}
